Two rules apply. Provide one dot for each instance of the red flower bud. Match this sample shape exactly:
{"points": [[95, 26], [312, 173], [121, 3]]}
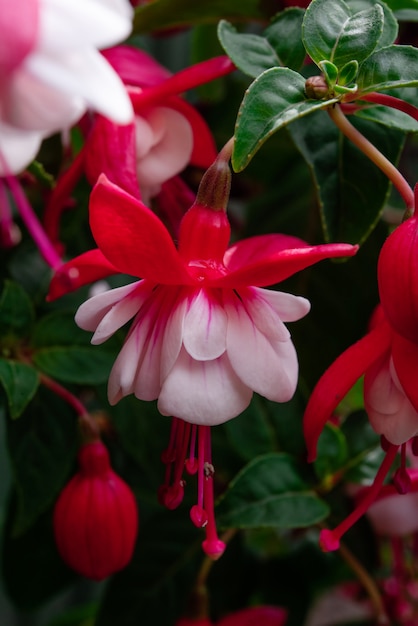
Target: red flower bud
{"points": [[96, 517], [398, 279]]}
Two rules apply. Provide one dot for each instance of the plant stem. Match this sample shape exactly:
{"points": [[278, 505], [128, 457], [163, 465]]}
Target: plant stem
{"points": [[373, 154], [367, 582], [391, 101]]}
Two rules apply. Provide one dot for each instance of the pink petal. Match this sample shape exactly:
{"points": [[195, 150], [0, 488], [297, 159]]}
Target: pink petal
{"points": [[19, 25], [338, 380], [132, 237], [265, 364], [110, 149], [286, 306], [203, 392], [405, 360], [204, 148], [389, 410], [109, 311], [84, 269], [169, 150], [204, 334], [266, 259], [135, 67], [395, 516]]}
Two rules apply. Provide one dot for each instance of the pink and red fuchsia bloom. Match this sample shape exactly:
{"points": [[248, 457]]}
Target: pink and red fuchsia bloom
{"points": [[206, 334], [388, 358]]}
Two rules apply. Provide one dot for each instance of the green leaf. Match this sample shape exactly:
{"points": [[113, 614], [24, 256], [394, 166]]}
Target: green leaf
{"points": [[352, 195], [269, 492], [273, 100], [58, 328], [388, 117], [20, 382], [75, 364], [42, 447], [390, 25], [404, 9], [332, 452], [16, 310], [162, 14], [279, 46], [332, 31], [388, 68], [252, 54], [364, 451], [32, 570], [154, 587], [251, 434]]}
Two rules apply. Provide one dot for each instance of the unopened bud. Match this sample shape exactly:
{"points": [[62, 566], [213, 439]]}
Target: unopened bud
{"points": [[316, 88]]}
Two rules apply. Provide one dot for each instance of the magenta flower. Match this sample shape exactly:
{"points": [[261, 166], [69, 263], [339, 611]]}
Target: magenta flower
{"points": [[388, 358], [144, 157], [51, 71], [205, 333]]}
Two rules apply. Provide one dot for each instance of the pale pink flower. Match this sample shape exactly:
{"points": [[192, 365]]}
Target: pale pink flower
{"points": [[51, 70]]}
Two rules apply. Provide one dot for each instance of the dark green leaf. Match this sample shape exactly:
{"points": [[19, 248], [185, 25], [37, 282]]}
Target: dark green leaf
{"points": [[269, 491], [351, 195], [32, 570], [275, 98], [388, 68], [404, 9], [162, 14], [58, 329], [332, 31], [364, 451], [42, 447], [332, 452], [390, 25], [155, 585], [20, 382], [16, 310], [391, 118], [75, 364], [279, 46], [251, 434]]}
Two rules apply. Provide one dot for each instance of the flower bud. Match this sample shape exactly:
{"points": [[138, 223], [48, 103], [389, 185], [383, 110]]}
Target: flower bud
{"points": [[96, 517], [398, 279]]}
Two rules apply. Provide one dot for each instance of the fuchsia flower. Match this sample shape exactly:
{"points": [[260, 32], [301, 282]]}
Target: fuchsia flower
{"points": [[96, 517], [388, 358], [206, 334], [145, 156], [51, 71]]}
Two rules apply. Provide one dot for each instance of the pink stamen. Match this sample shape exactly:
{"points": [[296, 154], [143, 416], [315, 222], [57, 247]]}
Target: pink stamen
{"points": [[212, 545], [330, 539], [31, 221]]}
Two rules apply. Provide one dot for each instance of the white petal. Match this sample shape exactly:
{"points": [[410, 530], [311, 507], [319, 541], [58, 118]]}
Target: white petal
{"points": [[261, 312], [389, 410], [395, 515], [34, 105], [204, 333], [288, 307], [85, 74], [173, 335], [171, 149], [203, 392], [92, 312], [18, 148], [269, 367], [79, 22], [122, 377]]}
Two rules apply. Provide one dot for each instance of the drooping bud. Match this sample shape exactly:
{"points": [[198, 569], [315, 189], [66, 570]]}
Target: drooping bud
{"points": [[398, 278], [96, 517]]}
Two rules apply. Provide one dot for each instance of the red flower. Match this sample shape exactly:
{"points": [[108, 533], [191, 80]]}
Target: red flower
{"points": [[96, 517]]}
